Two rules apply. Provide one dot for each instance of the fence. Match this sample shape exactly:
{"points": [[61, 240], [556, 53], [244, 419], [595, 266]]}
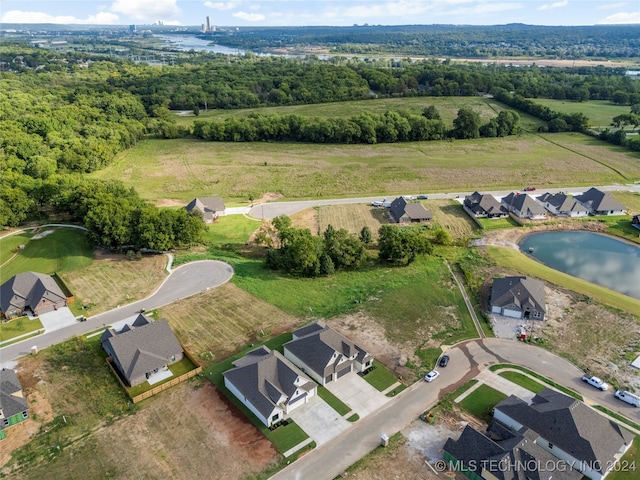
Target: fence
{"points": [[161, 387], [63, 286]]}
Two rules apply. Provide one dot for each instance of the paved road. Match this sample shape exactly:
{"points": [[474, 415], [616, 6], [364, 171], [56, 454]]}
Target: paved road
{"points": [[184, 281], [267, 211], [467, 360]]}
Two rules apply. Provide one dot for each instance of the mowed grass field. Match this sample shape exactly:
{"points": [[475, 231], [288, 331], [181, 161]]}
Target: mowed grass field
{"points": [[599, 112], [63, 250], [221, 321], [179, 170]]}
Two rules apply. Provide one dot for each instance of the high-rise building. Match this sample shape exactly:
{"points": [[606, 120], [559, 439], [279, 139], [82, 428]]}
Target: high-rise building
{"points": [[208, 24]]}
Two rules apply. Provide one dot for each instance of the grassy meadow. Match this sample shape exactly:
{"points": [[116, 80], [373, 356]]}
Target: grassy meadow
{"points": [[599, 112], [165, 171]]}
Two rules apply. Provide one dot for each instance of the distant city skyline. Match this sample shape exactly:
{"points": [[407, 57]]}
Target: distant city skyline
{"points": [[320, 12]]}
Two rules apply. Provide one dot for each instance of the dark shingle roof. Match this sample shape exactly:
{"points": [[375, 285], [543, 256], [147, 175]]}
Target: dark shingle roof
{"points": [[519, 291], [570, 425], [523, 203], [264, 376], [481, 204], [599, 200], [12, 400], [27, 289], [415, 211], [143, 348], [563, 203], [397, 207], [208, 206]]}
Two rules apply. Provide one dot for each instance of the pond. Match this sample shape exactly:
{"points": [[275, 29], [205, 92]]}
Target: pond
{"points": [[596, 258]]}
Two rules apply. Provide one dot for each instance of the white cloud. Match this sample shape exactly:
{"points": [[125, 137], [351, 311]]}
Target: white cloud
{"points": [[147, 9], [611, 6], [249, 17], [19, 16], [622, 18], [549, 6], [222, 5]]}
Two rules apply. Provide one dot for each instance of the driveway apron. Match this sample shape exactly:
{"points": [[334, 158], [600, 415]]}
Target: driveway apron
{"points": [[319, 420], [356, 392]]}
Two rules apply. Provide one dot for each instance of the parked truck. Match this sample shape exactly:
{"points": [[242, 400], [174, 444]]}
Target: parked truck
{"points": [[595, 382], [630, 398]]}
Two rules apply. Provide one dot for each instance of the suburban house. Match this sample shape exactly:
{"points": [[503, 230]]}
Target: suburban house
{"points": [[503, 453], [324, 354], [563, 205], [635, 221], [141, 349], [13, 406], [569, 430], [30, 292], [523, 206], [518, 297], [210, 207], [268, 384], [404, 212], [600, 203], [484, 206]]}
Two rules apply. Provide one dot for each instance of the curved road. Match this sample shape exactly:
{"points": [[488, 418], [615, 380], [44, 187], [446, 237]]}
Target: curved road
{"points": [[467, 360], [184, 281]]}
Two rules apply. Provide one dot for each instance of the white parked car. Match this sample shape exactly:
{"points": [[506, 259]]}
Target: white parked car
{"points": [[628, 397], [595, 382], [431, 376], [376, 204]]}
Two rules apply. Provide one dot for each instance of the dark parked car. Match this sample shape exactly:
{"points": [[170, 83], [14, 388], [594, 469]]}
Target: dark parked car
{"points": [[529, 189], [444, 360], [423, 197]]}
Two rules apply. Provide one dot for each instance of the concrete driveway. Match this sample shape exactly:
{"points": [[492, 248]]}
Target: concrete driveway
{"points": [[60, 318], [358, 394], [321, 422]]}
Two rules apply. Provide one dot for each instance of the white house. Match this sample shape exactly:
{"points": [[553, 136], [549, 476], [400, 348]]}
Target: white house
{"points": [[563, 205]]}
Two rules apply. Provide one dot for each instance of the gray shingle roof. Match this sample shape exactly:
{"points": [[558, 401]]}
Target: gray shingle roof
{"points": [[523, 203], [570, 425], [598, 200], [316, 348], [484, 204], [563, 203], [12, 400], [520, 291], [263, 376], [208, 206], [415, 211], [27, 289], [143, 348]]}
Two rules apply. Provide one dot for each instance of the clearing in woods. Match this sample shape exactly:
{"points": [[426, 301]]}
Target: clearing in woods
{"points": [[214, 324], [112, 280]]}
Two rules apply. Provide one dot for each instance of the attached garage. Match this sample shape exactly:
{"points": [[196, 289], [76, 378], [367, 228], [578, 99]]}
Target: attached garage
{"points": [[344, 371]]}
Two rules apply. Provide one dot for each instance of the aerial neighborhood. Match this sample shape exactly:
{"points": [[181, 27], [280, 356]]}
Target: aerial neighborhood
{"points": [[319, 252]]}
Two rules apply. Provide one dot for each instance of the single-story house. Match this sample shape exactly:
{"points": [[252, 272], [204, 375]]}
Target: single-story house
{"points": [[518, 297], [13, 405], [504, 454], [484, 206], [523, 206], [30, 291], [324, 354], [569, 430], [141, 349], [268, 384], [563, 205], [404, 212], [600, 203], [210, 207], [635, 221]]}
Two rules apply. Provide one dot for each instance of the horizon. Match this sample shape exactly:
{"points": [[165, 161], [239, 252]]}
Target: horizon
{"points": [[320, 13]]}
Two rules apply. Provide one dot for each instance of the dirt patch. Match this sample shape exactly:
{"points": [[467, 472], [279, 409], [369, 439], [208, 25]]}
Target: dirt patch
{"points": [[306, 219], [169, 202]]}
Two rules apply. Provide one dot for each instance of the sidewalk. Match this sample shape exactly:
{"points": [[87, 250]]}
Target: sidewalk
{"points": [[501, 384]]}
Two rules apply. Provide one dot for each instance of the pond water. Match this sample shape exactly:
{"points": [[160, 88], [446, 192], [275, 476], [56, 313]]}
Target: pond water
{"points": [[190, 42], [596, 258]]}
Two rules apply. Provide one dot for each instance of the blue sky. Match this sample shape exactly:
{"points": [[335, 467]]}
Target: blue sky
{"points": [[321, 12]]}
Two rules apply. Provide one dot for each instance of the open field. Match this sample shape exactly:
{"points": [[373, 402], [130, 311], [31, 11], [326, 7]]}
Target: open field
{"points": [[112, 280], [450, 215], [352, 218], [63, 250], [447, 106], [230, 229], [221, 321], [178, 170], [599, 112]]}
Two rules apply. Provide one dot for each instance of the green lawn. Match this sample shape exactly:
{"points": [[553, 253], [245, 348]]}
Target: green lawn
{"points": [[9, 245], [617, 416], [380, 377], [181, 169], [599, 112], [183, 366], [481, 401], [498, 223], [230, 229], [524, 381], [64, 250], [515, 260], [555, 385], [18, 326], [333, 401]]}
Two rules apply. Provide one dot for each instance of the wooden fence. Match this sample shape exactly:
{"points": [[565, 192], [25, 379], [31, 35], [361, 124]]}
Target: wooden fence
{"points": [[161, 387]]}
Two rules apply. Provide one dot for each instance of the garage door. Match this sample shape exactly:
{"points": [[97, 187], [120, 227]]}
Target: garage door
{"points": [[328, 378], [344, 371]]}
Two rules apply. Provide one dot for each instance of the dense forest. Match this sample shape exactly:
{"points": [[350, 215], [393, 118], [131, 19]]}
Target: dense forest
{"points": [[466, 41], [63, 116]]}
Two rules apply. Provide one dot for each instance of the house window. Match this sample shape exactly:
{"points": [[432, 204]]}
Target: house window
{"points": [[275, 417], [536, 315], [5, 422], [173, 358], [550, 445], [25, 414]]}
